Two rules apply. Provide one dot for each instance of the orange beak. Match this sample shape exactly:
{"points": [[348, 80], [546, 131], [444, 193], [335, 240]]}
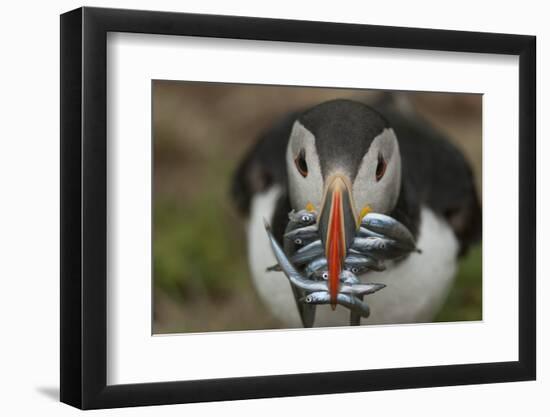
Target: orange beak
{"points": [[337, 227]]}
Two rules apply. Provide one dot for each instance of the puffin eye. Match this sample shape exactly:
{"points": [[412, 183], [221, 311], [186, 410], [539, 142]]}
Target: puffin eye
{"points": [[301, 163], [380, 167]]}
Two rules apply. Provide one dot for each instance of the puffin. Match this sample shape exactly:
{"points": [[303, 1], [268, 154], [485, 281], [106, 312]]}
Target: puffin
{"points": [[383, 158]]}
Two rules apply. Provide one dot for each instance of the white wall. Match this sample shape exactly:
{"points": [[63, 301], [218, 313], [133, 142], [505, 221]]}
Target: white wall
{"points": [[29, 261]]}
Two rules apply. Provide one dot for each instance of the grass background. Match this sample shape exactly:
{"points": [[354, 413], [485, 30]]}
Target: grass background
{"points": [[201, 130]]}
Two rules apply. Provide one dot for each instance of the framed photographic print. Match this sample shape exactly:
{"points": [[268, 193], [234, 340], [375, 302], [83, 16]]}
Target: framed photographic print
{"points": [[258, 207]]}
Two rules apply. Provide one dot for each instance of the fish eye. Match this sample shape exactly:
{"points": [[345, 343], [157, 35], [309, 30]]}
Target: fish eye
{"points": [[355, 270], [306, 218], [298, 241], [325, 275], [301, 163], [380, 167]]}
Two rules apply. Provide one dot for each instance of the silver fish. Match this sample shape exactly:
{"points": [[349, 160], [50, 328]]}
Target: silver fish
{"points": [[361, 289], [380, 247], [346, 300], [320, 275], [303, 235], [348, 277], [365, 244], [364, 232], [356, 270], [362, 261], [292, 274], [389, 227], [318, 297], [316, 265], [317, 244], [301, 218], [307, 253]]}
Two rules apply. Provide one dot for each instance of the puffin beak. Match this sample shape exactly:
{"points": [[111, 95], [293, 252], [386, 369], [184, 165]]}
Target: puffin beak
{"points": [[337, 227]]}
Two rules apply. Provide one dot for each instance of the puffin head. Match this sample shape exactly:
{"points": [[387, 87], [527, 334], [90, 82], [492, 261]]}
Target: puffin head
{"points": [[343, 162]]}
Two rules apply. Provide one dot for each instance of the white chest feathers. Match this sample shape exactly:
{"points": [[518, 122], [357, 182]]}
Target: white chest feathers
{"points": [[415, 289]]}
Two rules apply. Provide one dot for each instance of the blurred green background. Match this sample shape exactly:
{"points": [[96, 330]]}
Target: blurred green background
{"points": [[201, 131]]}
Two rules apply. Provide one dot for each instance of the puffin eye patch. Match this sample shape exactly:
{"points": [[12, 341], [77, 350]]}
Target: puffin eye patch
{"points": [[301, 163], [380, 167]]}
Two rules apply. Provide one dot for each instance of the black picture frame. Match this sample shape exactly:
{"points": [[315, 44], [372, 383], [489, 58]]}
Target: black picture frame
{"points": [[84, 207]]}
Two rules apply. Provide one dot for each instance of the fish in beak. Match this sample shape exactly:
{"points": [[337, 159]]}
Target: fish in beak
{"points": [[337, 227]]}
